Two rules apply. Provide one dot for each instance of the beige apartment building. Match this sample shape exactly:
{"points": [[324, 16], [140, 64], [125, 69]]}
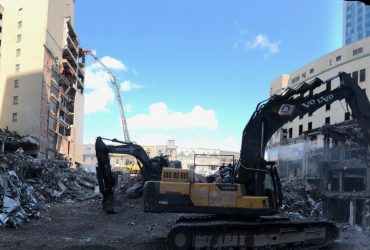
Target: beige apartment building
{"points": [[42, 75], [353, 59]]}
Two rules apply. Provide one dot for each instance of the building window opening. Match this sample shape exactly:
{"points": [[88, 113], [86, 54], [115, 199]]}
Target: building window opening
{"points": [[20, 11], [285, 134], [295, 79], [300, 129], [20, 24], [15, 117], [347, 116], [61, 116], [16, 83], [312, 71], [310, 113], [327, 120], [362, 75], [338, 58], [18, 52], [357, 51], [290, 132], [15, 100], [355, 76], [327, 107], [328, 86], [309, 126], [17, 67], [19, 38]]}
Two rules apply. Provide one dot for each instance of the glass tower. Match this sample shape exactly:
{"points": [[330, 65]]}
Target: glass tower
{"points": [[356, 21]]}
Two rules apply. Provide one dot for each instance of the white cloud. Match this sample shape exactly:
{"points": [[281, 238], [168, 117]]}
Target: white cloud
{"points": [[98, 92], [110, 62], [262, 42], [98, 87], [160, 117], [127, 86]]}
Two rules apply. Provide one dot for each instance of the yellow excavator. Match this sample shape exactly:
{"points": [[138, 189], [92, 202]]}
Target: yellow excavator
{"points": [[240, 204]]}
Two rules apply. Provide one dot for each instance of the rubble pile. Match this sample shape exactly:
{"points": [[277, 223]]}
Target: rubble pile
{"points": [[18, 202], [301, 200], [28, 183]]}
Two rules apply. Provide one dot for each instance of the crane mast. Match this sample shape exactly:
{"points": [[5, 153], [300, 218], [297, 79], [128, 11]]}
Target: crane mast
{"points": [[117, 92]]}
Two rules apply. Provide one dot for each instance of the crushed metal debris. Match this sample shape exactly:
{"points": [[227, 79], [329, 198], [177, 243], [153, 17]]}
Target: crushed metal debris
{"points": [[301, 200]]}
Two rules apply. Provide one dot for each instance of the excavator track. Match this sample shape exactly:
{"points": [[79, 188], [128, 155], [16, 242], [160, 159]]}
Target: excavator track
{"points": [[213, 232]]}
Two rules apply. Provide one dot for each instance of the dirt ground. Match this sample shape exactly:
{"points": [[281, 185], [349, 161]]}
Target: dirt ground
{"points": [[83, 225]]}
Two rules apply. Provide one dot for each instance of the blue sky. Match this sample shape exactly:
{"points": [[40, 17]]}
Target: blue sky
{"points": [[194, 70]]}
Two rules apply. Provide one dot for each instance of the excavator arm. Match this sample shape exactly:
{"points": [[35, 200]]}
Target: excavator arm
{"points": [[151, 168], [116, 89]]}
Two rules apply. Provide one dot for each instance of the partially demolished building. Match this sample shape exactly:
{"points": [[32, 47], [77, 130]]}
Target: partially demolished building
{"points": [[326, 148], [42, 76]]}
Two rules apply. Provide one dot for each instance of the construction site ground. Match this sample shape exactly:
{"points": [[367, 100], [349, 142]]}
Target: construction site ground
{"points": [[83, 225]]}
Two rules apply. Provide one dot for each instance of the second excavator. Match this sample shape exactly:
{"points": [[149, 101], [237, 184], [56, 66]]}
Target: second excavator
{"points": [[240, 211]]}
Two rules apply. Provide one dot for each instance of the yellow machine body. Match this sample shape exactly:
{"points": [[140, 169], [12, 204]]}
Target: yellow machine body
{"points": [[180, 191]]}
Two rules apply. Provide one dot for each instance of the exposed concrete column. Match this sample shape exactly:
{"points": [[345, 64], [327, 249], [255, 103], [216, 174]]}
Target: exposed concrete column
{"points": [[340, 181], [326, 148], [325, 179], [352, 213], [2, 146], [367, 180], [366, 213]]}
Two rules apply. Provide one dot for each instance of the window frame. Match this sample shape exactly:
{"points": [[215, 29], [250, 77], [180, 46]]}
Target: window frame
{"points": [[15, 100], [16, 83], [362, 75], [15, 117]]}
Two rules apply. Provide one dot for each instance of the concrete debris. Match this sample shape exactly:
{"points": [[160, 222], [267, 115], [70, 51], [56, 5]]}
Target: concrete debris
{"points": [[28, 184], [301, 200], [13, 141]]}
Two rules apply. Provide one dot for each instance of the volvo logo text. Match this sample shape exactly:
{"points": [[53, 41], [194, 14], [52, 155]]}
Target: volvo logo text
{"points": [[318, 100]]}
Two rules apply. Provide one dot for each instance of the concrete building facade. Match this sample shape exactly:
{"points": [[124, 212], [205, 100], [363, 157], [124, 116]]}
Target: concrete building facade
{"points": [[42, 76], [356, 17]]}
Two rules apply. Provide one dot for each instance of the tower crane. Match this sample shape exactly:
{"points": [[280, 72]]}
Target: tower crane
{"points": [[113, 80]]}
